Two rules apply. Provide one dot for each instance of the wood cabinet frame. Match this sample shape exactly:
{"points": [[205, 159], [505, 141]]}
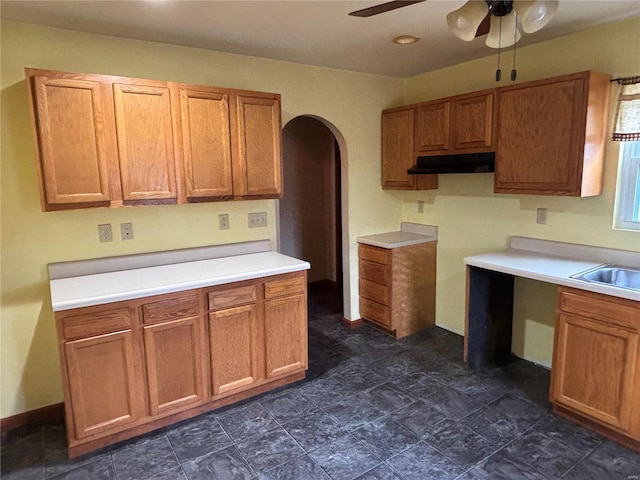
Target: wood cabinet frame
{"points": [[221, 151], [398, 287], [595, 379], [552, 134], [544, 144], [398, 153], [146, 393]]}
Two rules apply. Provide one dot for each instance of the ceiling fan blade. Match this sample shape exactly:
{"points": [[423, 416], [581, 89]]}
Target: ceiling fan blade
{"points": [[383, 7], [484, 27]]}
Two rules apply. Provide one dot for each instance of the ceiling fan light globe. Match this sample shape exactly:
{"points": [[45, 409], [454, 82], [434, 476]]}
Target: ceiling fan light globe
{"points": [[465, 21], [535, 14], [507, 35]]}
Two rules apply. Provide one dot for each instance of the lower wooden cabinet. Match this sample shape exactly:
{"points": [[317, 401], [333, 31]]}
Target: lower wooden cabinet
{"points": [[236, 355], [101, 368], [596, 365], [285, 338], [173, 354], [131, 367], [398, 287]]}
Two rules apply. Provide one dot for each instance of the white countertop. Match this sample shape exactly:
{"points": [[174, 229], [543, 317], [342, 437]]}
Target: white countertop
{"points": [[547, 267], [409, 234], [101, 288], [396, 239]]}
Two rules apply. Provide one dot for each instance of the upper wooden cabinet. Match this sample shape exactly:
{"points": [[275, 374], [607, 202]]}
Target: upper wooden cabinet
{"points": [[433, 125], [398, 155], [548, 135], [75, 139], [206, 142], [145, 140], [462, 124], [108, 141], [258, 137], [551, 135]]}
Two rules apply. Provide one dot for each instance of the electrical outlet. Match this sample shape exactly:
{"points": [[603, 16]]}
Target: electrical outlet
{"points": [[223, 220], [420, 206], [104, 232], [257, 219], [126, 229], [541, 216]]}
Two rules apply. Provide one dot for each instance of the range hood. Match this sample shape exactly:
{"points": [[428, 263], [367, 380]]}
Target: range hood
{"points": [[464, 163]]}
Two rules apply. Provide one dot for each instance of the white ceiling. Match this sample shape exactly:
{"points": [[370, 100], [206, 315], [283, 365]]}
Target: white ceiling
{"points": [[314, 32]]}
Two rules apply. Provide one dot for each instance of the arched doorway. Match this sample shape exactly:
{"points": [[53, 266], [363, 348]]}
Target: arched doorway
{"points": [[310, 213]]}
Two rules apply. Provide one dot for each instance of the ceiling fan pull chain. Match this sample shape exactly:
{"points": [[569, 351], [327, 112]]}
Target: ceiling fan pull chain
{"points": [[498, 71], [514, 73]]}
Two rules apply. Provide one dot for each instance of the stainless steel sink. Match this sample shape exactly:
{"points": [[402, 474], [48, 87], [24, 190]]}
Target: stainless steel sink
{"points": [[622, 277]]}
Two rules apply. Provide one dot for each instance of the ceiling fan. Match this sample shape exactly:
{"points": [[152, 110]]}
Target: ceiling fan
{"points": [[498, 18]]}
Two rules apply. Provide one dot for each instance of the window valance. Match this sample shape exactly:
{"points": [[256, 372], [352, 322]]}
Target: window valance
{"points": [[627, 124]]}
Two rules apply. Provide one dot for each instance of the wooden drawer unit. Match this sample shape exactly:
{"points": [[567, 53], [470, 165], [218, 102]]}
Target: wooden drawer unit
{"points": [[173, 308], [374, 291], [375, 312], [375, 272], [600, 307], [595, 379], [397, 287], [374, 254], [232, 297], [96, 323], [289, 285]]}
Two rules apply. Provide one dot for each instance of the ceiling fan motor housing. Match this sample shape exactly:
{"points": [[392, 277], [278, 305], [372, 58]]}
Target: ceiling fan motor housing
{"points": [[500, 8]]}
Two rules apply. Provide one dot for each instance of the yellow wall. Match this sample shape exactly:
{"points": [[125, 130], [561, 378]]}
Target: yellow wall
{"points": [[472, 219], [30, 239]]}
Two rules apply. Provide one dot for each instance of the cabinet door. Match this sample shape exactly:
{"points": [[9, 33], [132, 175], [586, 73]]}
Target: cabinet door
{"points": [[258, 167], [75, 138], [206, 143], [145, 142], [593, 369], [285, 335], [540, 131], [397, 150], [105, 390], [398, 155], [472, 124], [173, 352], [433, 126], [236, 354]]}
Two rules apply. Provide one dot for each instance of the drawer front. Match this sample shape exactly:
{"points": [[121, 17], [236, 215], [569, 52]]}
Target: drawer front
{"points": [[98, 323], [285, 286], [232, 297], [375, 312], [375, 272], [374, 291], [601, 307], [171, 309], [374, 254]]}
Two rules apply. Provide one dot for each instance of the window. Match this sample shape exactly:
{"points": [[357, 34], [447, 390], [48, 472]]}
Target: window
{"points": [[627, 212]]}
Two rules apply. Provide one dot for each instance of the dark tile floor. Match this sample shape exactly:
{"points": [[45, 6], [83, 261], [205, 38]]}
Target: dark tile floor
{"points": [[371, 408]]}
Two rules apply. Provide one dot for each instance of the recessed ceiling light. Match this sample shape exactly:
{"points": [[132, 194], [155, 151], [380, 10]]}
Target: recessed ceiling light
{"points": [[405, 39]]}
